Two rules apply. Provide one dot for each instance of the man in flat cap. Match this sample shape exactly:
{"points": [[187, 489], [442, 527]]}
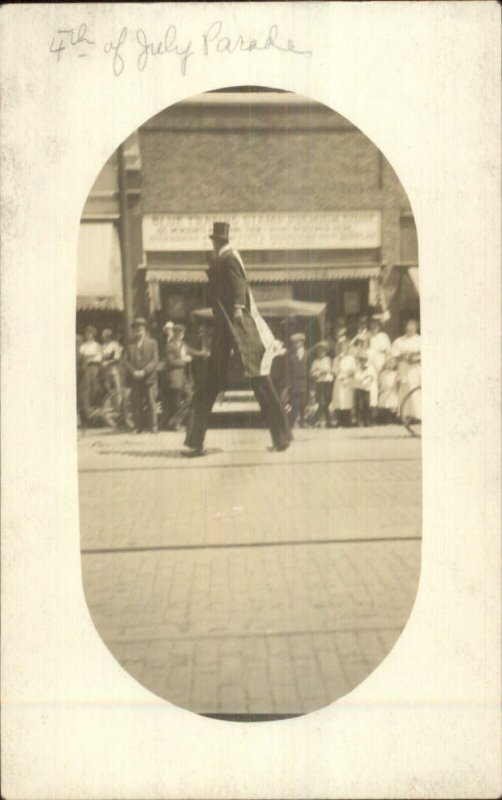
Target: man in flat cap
{"points": [[141, 362], [298, 378], [237, 326]]}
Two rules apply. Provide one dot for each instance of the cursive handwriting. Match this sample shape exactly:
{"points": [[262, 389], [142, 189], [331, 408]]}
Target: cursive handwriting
{"points": [[115, 48], [168, 44], [213, 41], [70, 37]]}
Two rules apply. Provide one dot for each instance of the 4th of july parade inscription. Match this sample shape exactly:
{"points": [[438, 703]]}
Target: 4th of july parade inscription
{"points": [[140, 47]]}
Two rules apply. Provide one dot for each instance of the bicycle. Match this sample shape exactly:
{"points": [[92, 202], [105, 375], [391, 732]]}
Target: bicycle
{"points": [[408, 411], [116, 409]]}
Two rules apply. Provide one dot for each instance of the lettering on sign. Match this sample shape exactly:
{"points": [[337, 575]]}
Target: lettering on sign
{"points": [[341, 230]]}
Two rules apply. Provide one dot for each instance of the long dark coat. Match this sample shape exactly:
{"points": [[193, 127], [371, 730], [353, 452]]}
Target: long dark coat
{"points": [[143, 356], [250, 335]]}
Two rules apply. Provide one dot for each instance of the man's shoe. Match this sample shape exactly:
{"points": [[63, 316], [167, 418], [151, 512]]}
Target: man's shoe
{"points": [[193, 452]]}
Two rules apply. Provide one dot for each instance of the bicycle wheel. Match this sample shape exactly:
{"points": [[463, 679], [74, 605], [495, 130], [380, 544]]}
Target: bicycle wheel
{"points": [[116, 409], [127, 415], [111, 408], [411, 411]]}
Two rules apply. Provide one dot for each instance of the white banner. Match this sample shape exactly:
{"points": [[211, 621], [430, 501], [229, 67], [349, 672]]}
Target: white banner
{"points": [[334, 230]]}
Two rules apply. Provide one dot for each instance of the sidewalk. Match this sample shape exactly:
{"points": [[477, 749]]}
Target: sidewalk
{"points": [[251, 581]]}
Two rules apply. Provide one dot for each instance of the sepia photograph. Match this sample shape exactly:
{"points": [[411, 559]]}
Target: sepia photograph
{"points": [[233, 565], [248, 368]]}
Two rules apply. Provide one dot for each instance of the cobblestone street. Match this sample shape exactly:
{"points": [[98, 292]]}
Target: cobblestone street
{"points": [[251, 581]]}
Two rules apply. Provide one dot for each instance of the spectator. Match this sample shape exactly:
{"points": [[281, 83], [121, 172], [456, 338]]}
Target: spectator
{"points": [[111, 352], [298, 378], [78, 371], [90, 387], [168, 332], [407, 352], [379, 348], [387, 399], [179, 382], [322, 373], [379, 343], [365, 388], [141, 362], [344, 368], [198, 348]]}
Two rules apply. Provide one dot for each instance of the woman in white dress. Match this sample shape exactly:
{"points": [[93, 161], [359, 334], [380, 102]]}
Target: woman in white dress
{"points": [[387, 399], [379, 348], [344, 367], [407, 352], [379, 344]]}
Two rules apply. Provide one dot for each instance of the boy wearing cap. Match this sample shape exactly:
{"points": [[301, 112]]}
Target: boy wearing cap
{"points": [[298, 375], [237, 326], [366, 387], [322, 373], [141, 362]]}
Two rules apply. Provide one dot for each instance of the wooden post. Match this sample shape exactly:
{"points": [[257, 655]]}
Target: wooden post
{"points": [[125, 248]]}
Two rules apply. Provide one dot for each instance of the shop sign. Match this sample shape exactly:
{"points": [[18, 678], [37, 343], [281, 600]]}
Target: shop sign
{"points": [[334, 230]]}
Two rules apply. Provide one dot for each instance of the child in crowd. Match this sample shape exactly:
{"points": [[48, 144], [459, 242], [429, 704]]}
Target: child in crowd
{"points": [[344, 368], [365, 389], [322, 373]]}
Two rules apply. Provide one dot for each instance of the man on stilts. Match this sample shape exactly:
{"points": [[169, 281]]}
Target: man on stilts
{"points": [[237, 326]]}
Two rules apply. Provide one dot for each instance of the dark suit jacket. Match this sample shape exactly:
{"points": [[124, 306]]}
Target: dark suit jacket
{"points": [[228, 287], [144, 357], [298, 373], [227, 284]]}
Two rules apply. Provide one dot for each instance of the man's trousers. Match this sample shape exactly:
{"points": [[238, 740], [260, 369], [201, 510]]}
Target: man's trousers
{"points": [[144, 397], [205, 395]]}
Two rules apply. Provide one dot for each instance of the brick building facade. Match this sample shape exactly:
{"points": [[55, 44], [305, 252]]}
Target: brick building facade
{"points": [[316, 211], [275, 160]]}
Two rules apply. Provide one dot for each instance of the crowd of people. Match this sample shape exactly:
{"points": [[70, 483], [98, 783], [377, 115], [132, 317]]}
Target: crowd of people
{"points": [[338, 382], [167, 376], [353, 381]]}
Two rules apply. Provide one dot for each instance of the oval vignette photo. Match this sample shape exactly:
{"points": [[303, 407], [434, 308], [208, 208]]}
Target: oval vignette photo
{"points": [[248, 367]]}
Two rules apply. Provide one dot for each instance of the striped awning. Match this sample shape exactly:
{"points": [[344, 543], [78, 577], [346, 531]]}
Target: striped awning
{"points": [[271, 274], [99, 276]]}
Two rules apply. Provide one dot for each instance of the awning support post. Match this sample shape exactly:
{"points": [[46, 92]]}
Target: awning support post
{"points": [[125, 250]]}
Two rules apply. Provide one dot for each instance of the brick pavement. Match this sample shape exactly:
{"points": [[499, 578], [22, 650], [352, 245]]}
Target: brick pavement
{"points": [[218, 619]]}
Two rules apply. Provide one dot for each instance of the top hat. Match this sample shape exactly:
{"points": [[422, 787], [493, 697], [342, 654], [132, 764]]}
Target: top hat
{"points": [[221, 230], [138, 322]]}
